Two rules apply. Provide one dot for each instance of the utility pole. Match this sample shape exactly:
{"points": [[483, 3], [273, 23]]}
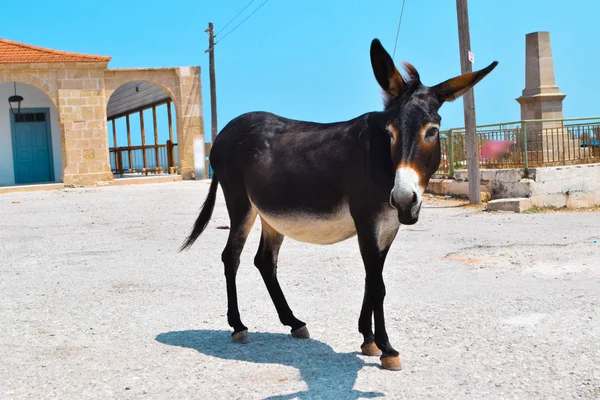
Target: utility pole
{"points": [[213, 84], [464, 40]]}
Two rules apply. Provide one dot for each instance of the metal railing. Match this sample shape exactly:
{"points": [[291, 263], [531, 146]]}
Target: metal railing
{"points": [[525, 144], [157, 159]]}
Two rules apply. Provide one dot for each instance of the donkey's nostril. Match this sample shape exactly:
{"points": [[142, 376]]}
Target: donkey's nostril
{"points": [[401, 199]]}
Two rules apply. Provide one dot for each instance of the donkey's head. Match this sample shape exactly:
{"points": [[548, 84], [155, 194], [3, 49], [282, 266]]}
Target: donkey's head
{"points": [[412, 122]]}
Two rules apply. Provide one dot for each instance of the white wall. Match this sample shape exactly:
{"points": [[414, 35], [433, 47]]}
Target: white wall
{"points": [[572, 186], [34, 98]]}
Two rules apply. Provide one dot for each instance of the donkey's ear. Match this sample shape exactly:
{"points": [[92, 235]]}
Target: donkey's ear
{"points": [[453, 88], [388, 77]]}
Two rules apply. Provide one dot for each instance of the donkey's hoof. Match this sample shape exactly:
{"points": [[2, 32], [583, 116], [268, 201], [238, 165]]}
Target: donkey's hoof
{"points": [[301, 333], [240, 337], [370, 349], [392, 363]]}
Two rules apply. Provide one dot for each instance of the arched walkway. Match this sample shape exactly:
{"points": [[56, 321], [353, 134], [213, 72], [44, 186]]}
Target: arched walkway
{"points": [[183, 86], [142, 130]]}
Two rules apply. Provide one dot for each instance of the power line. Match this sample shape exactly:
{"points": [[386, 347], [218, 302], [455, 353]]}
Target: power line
{"points": [[237, 15], [244, 20], [398, 32]]}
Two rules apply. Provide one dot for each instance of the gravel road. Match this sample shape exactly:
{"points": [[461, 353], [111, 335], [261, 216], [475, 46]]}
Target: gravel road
{"points": [[96, 303]]}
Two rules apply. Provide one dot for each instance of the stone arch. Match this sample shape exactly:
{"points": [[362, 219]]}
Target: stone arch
{"points": [[125, 102], [38, 99], [112, 85], [166, 79], [183, 86], [109, 92], [44, 81]]}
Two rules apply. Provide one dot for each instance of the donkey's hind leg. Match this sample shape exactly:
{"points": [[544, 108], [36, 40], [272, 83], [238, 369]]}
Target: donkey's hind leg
{"points": [[242, 216], [266, 262]]}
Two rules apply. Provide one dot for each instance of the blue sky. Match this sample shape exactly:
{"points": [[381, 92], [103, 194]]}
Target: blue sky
{"points": [[310, 60]]}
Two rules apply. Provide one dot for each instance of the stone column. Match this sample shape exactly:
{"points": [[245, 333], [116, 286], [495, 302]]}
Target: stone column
{"points": [[541, 99], [190, 131], [83, 121]]}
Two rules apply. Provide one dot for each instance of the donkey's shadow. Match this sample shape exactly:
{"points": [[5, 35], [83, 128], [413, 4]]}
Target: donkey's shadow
{"points": [[327, 374]]}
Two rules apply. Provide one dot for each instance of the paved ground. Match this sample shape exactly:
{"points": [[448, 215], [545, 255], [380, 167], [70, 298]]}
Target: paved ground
{"points": [[95, 302]]}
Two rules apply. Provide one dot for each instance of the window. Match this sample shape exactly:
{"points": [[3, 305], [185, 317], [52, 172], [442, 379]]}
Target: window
{"points": [[30, 117]]}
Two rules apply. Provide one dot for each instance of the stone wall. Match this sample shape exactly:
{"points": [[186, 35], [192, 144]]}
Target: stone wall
{"points": [[82, 110], [500, 183], [568, 186], [572, 186]]}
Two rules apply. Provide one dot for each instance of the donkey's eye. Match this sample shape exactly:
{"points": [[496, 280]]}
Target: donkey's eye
{"points": [[432, 132], [393, 132]]}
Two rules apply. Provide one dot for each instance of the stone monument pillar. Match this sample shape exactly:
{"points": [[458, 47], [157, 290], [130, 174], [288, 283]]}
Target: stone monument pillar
{"points": [[541, 99]]}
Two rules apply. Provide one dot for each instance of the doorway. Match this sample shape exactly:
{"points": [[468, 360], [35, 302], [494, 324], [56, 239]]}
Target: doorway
{"points": [[32, 146]]}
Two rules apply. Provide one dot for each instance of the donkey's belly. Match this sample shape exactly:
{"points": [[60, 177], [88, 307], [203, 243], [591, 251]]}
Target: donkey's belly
{"points": [[311, 228]]}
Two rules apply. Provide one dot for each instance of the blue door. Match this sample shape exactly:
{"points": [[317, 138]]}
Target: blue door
{"points": [[32, 146]]}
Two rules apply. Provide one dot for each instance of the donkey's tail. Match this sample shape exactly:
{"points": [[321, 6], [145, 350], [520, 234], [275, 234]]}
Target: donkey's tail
{"points": [[205, 214]]}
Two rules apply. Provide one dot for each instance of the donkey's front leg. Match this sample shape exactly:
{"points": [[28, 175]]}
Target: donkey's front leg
{"points": [[373, 256], [365, 326]]}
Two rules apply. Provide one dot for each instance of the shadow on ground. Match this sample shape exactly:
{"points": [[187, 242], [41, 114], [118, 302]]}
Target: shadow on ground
{"points": [[327, 374]]}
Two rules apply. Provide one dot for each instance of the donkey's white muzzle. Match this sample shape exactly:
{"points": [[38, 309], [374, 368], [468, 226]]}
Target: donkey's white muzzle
{"points": [[406, 196]]}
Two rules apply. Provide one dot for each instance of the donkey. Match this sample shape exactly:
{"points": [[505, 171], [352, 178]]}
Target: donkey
{"points": [[323, 183]]}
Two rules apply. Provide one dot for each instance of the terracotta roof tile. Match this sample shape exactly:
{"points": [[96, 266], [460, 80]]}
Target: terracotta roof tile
{"points": [[17, 53]]}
